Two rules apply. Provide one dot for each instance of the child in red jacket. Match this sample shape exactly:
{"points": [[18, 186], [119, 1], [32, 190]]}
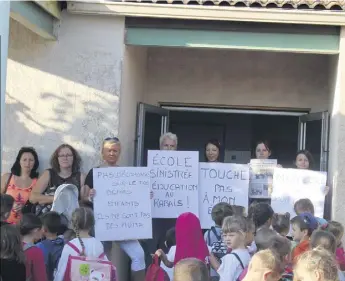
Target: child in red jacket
{"points": [[30, 229], [303, 226]]}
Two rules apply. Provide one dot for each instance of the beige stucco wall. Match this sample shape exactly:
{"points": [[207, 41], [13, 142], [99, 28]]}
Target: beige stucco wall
{"points": [[133, 89], [337, 135], [237, 78], [64, 91]]}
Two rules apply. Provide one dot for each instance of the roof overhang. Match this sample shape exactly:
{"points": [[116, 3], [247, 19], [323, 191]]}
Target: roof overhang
{"points": [[311, 17]]}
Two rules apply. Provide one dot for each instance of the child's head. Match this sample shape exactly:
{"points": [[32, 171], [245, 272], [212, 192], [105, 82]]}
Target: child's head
{"points": [[303, 226], [324, 239], [221, 211], [304, 206], [262, 214], [82, 220], [250, 231], [6, 206], [265, 265], [51, 223], [170, 238], [31, 225], [316, 265], [234, 231], [239, 210], [191, 269], [337, 229], [264, 238], [281, 223], [11, 244]]}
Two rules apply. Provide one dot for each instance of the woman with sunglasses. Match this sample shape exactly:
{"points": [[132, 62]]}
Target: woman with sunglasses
{"points": [[111, 149], [65, 169], [20, 181]]}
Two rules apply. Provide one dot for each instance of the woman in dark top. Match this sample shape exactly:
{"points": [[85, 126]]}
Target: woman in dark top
{"points": [[65, 168], [11, 255], [212, 151]]}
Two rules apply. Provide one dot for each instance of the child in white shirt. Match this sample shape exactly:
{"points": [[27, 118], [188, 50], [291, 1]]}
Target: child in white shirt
{"points": [[234, 231]]}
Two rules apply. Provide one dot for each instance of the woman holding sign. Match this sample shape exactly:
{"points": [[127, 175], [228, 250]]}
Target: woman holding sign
{"points": [[304, 160], [212, 151], [111, 149]]}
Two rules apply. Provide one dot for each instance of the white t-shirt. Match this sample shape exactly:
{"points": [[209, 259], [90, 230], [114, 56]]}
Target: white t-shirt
{"points": [[230, 268], [93, 249], [171, 257]]}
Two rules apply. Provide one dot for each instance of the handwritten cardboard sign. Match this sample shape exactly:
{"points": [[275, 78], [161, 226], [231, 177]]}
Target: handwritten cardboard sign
{"points": [[290, 185], [122, 203], [261, 177], [174, 182], [219, 182]]}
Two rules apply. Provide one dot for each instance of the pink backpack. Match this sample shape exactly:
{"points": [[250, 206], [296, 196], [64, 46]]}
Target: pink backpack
{"points": [[155, 272], [81, 268]]}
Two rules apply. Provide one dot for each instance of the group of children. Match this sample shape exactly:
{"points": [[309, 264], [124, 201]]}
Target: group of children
{"points": [[258, 246], [38, 249], [252, 247]]}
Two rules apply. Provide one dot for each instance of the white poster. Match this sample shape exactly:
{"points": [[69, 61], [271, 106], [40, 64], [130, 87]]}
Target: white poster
{"points": [[219, 182], [174, 182], [261, 177], [290, 185], [122, 203]]}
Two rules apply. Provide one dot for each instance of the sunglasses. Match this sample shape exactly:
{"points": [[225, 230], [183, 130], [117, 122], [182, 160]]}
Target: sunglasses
{"points": [[112, 138]]}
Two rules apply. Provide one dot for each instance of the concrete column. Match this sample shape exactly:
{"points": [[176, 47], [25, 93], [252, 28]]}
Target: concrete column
{"points": [[337, 133], [4, 32]]}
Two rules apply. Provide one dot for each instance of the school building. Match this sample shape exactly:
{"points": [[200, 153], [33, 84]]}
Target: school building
{"points": [[236, 70]]}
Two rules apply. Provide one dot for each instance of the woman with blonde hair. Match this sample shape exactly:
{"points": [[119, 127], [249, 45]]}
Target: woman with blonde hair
{"points": [[111, 149]]}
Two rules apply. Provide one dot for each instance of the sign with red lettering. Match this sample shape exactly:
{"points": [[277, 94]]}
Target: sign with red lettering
{"points": [[220, 182], [174, 182], [122, 203]]}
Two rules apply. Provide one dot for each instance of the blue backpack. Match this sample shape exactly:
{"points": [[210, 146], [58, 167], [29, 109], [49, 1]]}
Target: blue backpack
{"points": [[53, 250]]}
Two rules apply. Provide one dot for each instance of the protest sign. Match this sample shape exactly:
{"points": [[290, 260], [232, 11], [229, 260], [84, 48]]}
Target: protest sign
{"points": [[219, 182], [174, 182], [122, 205], [261, 177], [290, 185]]}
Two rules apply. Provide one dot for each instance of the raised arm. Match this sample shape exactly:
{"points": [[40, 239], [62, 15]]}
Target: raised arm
{"points": [[40, 186], [164, 258], [4, 180], [84, 189]]}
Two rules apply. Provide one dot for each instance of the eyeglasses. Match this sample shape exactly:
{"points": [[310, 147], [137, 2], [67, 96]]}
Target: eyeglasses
{"points": [[112, 138], [65, 156]]}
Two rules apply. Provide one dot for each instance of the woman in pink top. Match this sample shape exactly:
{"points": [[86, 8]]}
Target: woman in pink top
{"points": [[20, 181]]}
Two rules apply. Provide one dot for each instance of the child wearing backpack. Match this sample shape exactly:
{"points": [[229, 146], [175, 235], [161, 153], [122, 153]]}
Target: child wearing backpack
{"points": [[80, 255], [11, 254], [53, 244], [170, 244], [213, 237], [30, 230], [234, 232]]}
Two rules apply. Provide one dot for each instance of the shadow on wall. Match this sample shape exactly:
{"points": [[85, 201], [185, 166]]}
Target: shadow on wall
{"points": [[25, 126], [62, 92]]}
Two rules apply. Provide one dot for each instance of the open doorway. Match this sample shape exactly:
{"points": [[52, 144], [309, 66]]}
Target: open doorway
{"points": [[237, 130], [238, 134]]}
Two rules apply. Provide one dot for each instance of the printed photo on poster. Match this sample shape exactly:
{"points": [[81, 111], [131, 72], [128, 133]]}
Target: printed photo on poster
{"points": [[261, 177]]}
